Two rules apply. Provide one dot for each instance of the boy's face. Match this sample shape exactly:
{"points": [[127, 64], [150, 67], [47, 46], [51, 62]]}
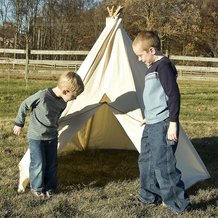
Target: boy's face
{"points": [[147, 57]]}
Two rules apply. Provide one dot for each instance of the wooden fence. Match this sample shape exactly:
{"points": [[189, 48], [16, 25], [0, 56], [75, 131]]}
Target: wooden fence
{"points": [[41, 59], [50, 59], [195, 64]]}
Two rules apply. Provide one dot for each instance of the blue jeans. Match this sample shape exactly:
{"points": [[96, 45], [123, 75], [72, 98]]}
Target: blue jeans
{"points": [[43, 164], [159, 178]]}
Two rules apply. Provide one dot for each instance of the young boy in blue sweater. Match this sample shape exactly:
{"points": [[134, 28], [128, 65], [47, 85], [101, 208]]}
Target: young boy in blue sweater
{"points": [[46, 108], [159, 178]]}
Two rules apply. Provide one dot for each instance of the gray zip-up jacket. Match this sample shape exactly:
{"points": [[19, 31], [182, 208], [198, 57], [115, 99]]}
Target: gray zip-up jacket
{"points": [[46, 109]]}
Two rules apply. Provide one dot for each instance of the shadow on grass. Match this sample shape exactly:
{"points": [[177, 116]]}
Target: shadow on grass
{"points": [[207, 148], [97, 167]]}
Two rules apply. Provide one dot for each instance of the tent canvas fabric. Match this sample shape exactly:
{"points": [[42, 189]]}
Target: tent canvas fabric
{"points": [[107, 115]]}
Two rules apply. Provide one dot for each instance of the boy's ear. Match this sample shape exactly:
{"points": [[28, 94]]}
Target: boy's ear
{"points": [[64, 91], [153, 51]]}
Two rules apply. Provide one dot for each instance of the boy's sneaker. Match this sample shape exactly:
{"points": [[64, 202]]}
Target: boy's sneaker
{"points": [[49, 194], [38, 194], [138, 202]]}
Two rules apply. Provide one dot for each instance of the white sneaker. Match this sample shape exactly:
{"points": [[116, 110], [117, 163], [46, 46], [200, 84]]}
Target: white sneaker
{"points": [[49, 194], [38, 194]]}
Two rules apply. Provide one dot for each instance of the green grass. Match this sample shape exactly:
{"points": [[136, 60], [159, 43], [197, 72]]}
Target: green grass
{"points": [[199, 101], [104, 183], [14, 89]]}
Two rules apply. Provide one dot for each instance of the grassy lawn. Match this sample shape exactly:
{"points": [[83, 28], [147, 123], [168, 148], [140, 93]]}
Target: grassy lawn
{"points": [[104, 183]]}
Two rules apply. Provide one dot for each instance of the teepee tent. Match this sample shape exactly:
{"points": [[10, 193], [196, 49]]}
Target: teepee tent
{"points": [[109, 112]]}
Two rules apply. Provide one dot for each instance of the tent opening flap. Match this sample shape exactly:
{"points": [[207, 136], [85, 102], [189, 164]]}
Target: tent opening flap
{"points": [[102, 131]]}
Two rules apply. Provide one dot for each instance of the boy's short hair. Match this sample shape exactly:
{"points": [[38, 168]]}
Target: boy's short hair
{"points": [[147, 39], [72, 82]]}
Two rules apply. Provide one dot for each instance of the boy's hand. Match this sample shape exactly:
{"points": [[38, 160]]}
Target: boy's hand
{"points": [[17, 130], [172, 131]]}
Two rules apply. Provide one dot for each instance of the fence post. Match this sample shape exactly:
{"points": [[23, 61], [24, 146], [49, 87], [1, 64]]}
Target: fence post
{"points": [[27, 61]]}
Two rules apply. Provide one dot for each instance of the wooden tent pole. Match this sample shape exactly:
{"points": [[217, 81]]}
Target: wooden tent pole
{"points": [[113, 13]]}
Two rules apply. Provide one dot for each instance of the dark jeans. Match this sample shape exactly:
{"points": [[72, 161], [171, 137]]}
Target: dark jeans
{"points": [[43, 164], [159, 177]]}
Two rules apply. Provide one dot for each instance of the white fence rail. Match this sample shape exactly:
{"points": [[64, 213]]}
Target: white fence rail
{"points": [[197, 69], [66, 59], [211, 62], [39, 58], [12, 51], [58, 52], [193, 58]]}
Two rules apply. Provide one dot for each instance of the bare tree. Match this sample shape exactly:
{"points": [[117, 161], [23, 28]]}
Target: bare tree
{"points": [[206, 31], [5, 34], [185, 26]]}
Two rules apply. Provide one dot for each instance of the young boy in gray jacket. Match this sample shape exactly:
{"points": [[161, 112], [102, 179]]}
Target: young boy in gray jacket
{"points": [[46, 107]]}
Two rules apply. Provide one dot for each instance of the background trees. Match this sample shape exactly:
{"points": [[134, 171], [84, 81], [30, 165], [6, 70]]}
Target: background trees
{"points": [[188, 27]]}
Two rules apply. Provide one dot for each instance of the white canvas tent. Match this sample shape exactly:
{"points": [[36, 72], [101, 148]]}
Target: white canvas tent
{"points": [[109, 112]]}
